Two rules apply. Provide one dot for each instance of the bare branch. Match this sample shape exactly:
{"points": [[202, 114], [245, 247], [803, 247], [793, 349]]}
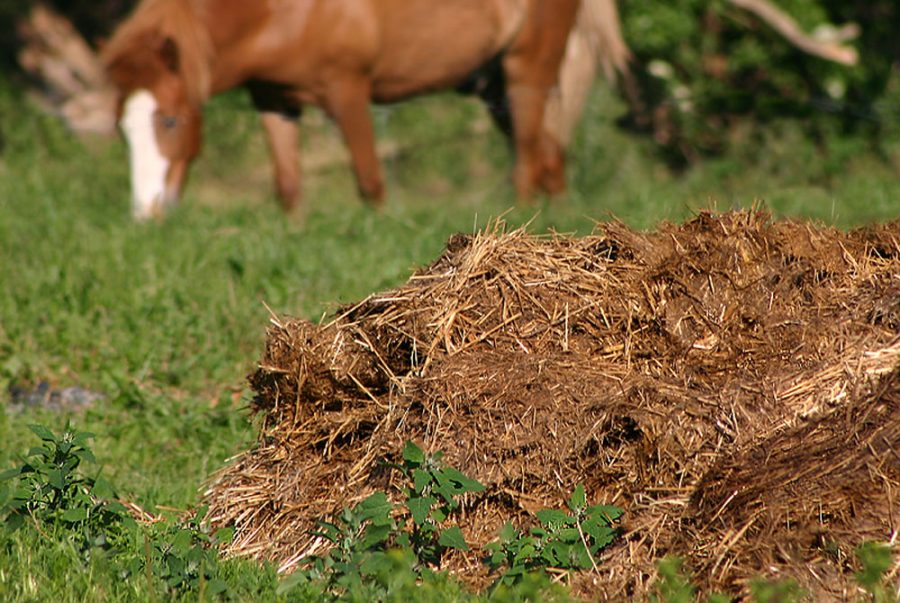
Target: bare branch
{"points": [[784, 24]]}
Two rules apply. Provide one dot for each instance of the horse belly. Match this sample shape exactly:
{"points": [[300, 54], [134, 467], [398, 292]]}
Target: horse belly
{"points": [[427, 45]]}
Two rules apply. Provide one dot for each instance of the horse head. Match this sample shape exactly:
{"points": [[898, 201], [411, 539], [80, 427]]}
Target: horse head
{"points": [[160, 118]]}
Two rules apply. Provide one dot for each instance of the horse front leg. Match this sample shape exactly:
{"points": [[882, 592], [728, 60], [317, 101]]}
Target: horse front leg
{"points": [[348, 105], [280, 116], [553, 164], [526, 105], [283, 138]]}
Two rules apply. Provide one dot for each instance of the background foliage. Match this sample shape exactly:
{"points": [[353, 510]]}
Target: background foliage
{"points": [[713, 69]]}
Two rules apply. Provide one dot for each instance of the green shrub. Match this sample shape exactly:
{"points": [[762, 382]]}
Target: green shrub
{"points": [[876, 559], [674, 584], [776, 591], [50, 493], [49, 489]]}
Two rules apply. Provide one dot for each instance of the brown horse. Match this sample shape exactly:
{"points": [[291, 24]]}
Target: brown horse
{"points": [[171, 55]]}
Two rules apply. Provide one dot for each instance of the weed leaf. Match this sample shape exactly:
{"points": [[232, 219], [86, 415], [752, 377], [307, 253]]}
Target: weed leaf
{"points": [[102, 489], [508, 532], [56, 479], [421, 479], [413, 453], [876, 559], [10, 474], [607, 512], [75, 514], [43, 433], [452, 538], [553, 518], [374, 536], [463, 482], [419, 508], [578, 499], [375, 507], [223, 535]]}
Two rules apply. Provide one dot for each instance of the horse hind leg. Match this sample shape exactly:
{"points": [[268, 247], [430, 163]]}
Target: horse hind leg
{"points": [[540, 158], [489, 83], [531, 70], [348, 105]]}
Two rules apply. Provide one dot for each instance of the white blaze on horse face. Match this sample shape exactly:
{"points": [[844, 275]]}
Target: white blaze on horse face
{"points": [[148, 165]]}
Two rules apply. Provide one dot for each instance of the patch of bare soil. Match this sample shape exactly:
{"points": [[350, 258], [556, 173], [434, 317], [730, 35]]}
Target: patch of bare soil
{"points": [[733, 383]]}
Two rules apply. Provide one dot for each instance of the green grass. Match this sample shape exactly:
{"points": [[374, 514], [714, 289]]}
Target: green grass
{"points": [[166, 319]]}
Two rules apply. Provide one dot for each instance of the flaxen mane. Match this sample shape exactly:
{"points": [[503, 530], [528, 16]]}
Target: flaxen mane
{"points": [[174, 19]]}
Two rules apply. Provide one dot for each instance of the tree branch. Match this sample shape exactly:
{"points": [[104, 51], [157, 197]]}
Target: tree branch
{"points": [[781, 22]]}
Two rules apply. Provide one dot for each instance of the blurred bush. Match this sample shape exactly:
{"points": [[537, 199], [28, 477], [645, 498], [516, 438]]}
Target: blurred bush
{"points": [[708, 72], [95, 19]]}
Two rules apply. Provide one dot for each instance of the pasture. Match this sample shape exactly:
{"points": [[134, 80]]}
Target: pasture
{"points": [[166, 319]]}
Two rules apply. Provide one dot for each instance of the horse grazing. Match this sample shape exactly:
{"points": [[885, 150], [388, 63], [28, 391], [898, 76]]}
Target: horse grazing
{"points": [[170, 56]]}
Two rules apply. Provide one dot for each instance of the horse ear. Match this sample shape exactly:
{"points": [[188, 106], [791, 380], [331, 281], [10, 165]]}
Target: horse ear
{"points": [[168, 52]]}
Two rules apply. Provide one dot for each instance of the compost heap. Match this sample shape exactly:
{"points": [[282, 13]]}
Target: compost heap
{"points": [[732, 383]]}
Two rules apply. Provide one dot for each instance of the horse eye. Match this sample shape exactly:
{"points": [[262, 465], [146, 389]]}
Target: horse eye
{"points": [[168, 121]]}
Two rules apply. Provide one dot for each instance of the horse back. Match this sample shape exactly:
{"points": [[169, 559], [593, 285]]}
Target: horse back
{"points": [[426, 45], [404, 47]]}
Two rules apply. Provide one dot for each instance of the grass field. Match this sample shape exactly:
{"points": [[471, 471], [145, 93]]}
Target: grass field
{"points": [[166, 319]]}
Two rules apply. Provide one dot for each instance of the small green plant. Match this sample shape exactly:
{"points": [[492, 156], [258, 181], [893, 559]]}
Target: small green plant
{"points": [[429, 501], [876, 559], [51, 491], [183, 556], [776, 591], [563, 540], [673, 586], [49, 488], [359, 537], [374, 538]]}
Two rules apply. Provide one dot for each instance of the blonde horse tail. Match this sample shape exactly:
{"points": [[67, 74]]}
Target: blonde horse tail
{"points": [[595, 42]]}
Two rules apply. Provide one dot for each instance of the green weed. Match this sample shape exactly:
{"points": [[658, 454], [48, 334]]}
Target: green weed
{"points": [[877, 559], [776, 591], [561, 541], [50, 494], [48, 489], [375, 538], [430, 501]]}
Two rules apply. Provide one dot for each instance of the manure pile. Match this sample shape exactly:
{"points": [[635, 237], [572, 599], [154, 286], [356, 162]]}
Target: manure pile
{"points": [[733, 383]]}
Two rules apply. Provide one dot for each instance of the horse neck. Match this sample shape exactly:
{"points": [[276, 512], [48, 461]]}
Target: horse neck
{"points": [[208, 32], [181, 21], [184, 23], [231, 25]]}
